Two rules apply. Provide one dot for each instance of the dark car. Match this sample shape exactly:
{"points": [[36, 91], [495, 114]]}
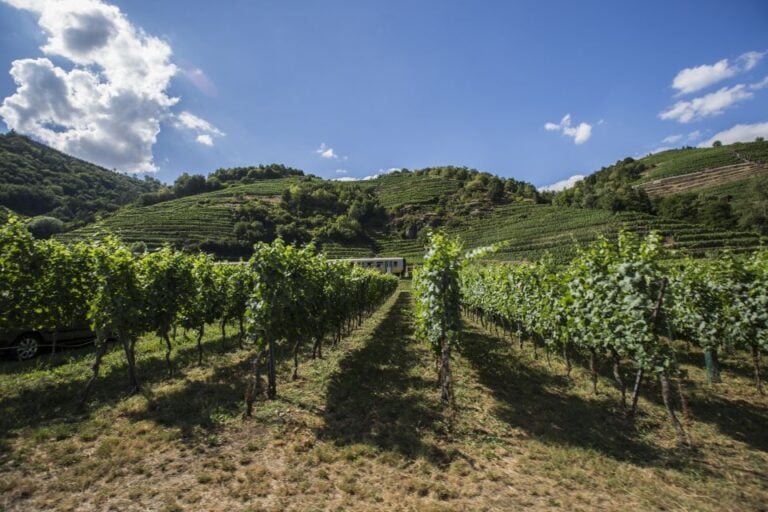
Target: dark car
{"points": [[27, 344]]}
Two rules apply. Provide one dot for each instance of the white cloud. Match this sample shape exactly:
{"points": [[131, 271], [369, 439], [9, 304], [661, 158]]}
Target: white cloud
{"points": [[204, 130], [580, 133], [762, 84], [326, 152], [750, 59], [563, 184], [381, 172], [738, 133], [341, 171], [204, 139], [694, 79], [709, 105], [106, 109]]}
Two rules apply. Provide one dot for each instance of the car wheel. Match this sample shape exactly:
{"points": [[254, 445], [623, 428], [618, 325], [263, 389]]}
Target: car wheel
{"points": [[26, 346]]}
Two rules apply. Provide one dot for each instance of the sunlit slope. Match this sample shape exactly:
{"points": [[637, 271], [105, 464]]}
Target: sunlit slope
{"points": [[196, 219], [684, 161], [532, 230]]}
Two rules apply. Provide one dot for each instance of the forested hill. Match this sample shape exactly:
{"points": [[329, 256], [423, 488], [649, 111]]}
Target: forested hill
{"points": [[725, 186], [38, 180]]}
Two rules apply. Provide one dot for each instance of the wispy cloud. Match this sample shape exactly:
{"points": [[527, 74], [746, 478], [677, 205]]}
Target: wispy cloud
{"points": [[673, 139], [693, 79], [712, 104], [200, 80], [750, 59], [762, 84], [580, 133], [204, 130], [682, 137]]}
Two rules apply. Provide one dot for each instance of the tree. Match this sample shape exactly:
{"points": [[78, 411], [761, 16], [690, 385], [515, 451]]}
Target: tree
{"points": [[717, 144], [43, 228]]}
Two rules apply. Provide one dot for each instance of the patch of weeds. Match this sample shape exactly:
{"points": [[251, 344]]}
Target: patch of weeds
{"points": [[205, 478], [65, 453], [325, 454], [349, 486], [214, 441], [56, 431], [355, 451]]}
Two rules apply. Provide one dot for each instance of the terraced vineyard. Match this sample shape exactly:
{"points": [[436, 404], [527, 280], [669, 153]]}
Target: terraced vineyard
{"points": [[677, 162], [702, 179], [397, 190], [193, 219], [531, 230]]}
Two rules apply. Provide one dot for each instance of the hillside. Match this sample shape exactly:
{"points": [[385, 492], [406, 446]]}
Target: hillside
{"points": [[722, 187], [38, 180], [699, 199], [414, 203]]}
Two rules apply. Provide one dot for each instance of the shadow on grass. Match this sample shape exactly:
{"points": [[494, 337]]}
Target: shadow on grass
{"points": [[738, 419], [53, 399], [376, 398], [197, 408], [536, 401]]}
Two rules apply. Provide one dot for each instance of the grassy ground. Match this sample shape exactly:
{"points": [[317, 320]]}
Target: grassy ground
{"points": [[363, 429]]}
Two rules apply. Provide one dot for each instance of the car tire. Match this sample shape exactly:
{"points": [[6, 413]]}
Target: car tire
{"points": [[26, 346]]}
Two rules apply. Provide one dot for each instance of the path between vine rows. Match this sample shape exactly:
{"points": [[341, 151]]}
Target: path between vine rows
{"points": [[363, 429]]}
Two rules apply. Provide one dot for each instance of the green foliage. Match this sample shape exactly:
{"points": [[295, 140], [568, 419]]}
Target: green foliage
{"points": [[298, 295], [167, 284], [438, 296], [44, 227], [38, 180], [610, 188], [287, 293], [438, 304], [620, 187]]}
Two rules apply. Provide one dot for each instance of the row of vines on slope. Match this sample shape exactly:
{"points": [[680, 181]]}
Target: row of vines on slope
{"points": [[282, 297], [438, 304], [618, 301]]}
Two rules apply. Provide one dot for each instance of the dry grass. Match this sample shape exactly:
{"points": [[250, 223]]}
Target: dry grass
{"points": [[363, 429]]}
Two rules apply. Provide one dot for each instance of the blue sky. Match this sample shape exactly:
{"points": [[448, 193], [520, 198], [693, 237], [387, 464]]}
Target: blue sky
{"points": [[193, 86]]}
